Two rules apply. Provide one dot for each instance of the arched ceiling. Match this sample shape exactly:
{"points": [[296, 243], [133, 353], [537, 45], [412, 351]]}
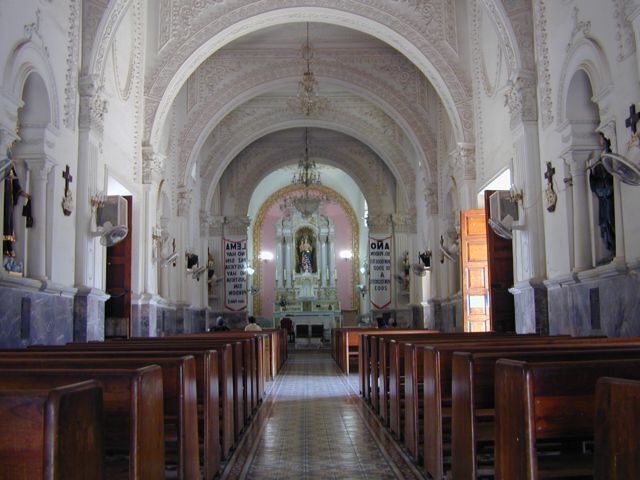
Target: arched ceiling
{"points": [[377, 98], [284, 148], [224, 84]]}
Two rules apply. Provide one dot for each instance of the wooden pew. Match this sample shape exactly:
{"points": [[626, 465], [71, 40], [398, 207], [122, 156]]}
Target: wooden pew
{"points": [[548, 401], [345, 342], [370, 358], [214, 380], [133, 422], [180, 399], [617, 423], [473, 401], [52, 434]]}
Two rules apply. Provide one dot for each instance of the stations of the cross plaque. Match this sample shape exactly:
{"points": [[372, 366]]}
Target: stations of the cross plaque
{"points": [[67, 199]]}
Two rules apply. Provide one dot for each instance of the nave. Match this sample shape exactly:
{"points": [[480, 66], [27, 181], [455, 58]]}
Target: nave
{"points": [[314, 425]]}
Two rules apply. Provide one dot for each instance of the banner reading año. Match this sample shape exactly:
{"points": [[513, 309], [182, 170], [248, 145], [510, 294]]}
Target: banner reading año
{"points": [[380, 271]]}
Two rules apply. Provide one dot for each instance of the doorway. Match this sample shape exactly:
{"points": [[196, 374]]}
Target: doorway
{"points": [[117, 308]]}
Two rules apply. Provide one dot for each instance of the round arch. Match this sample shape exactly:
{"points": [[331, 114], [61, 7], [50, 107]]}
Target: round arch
{"points": [[165, 83]]}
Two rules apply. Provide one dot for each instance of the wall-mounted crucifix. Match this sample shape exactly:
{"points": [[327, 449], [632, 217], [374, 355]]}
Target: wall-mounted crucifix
{"points": [[550, 196], [632, 121], [67, 199]]}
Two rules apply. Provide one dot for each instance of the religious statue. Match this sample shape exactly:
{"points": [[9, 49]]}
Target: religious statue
{"points": [[12, 192], [306, 254], [406, 268], [601, 183]]}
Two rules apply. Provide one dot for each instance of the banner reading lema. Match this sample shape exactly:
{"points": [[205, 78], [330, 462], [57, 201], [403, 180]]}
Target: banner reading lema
{"points": [[380, 271], [235, 275]]}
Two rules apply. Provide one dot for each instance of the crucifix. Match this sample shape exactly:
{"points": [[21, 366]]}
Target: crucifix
{"points": [[67, 199], [67, 179], [632, 121], [549, 194]]}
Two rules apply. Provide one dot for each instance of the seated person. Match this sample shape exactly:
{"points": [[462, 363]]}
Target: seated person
{"points": [[252, 326], [220, 325], [287, 324]]}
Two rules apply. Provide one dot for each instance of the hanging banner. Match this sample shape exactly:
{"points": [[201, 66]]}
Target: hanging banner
{"points": [[380, 271], [235, 274]]}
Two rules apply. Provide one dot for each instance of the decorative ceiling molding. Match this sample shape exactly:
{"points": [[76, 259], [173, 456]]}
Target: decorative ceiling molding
{"points": [[355, 117], [284, 149], [415, 29], [222, 80]]}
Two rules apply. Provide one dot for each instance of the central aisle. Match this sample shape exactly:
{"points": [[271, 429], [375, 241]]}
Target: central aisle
{"points": [[313, 425]]}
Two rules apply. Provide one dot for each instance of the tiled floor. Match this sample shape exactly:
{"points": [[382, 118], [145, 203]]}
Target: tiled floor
{"points": [[313, 425]]}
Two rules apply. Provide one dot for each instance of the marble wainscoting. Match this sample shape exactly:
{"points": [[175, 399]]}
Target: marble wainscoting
{"points": [[193, 319], [34, 312], [603, 301], [448, 316], [88, 315], [530, 300], [152, 316]]}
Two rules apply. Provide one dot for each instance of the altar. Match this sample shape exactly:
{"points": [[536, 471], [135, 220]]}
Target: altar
{"points": [[306, 275], [326, 320]]}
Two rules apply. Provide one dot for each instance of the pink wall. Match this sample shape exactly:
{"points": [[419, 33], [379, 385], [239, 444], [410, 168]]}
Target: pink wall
{"points": [[344, 236]]}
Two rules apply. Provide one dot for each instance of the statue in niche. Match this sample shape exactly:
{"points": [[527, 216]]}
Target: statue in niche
{"points": [[601, 183], [12, 192], [306, 253]]}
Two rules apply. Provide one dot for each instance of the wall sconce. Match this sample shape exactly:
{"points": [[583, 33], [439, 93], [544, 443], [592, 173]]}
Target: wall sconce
{"points": [[265, 256], [362, 289], [197, 272], [346, 255], [248, 268], [364, 268], [192, 260]]}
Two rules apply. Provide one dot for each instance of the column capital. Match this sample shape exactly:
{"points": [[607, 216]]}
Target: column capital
{"points": [[521, 98], [39, 166], [152, 165], [404, 222], [379, 223], [184, 200], [93, 105], [464, 161], [236, 225]]}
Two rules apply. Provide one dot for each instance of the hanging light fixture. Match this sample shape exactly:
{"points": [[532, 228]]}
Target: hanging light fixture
{"points": [[305, 177], [307, 100]]}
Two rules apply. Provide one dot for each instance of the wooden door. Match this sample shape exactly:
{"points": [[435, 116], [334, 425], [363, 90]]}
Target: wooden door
{"points": [[117, 308], [475, 271], [500, 256]]}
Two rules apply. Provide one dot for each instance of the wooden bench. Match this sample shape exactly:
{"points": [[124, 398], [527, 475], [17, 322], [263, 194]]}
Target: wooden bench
{"points": [[52, 434], [179, 400], [548, 401], [133, 416], [345, 343], [235, 382], [214, 381], [473, 400], [617, 423]]}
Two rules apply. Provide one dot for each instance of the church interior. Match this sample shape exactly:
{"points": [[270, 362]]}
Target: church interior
{"points": [[450, 166]]}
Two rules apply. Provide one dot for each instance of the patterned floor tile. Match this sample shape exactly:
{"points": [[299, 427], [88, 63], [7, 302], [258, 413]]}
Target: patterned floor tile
{"points": [[312, 426]]}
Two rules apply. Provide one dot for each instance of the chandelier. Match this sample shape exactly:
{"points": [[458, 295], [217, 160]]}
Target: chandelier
{"points": [[307, 100], [305, 177]]}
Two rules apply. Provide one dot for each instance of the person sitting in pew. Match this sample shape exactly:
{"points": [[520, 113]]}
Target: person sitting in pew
{"points": [[221, 325], [252, 326]]}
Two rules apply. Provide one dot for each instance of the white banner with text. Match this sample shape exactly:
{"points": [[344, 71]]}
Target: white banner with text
{"points": [[235, 274], [380, 271]]}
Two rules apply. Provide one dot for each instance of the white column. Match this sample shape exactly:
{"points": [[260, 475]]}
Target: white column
{"points": [[332, 261], [92, 110], [279, 268], [36, 261], [287, 251], [581, 233], [322, 267]]}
